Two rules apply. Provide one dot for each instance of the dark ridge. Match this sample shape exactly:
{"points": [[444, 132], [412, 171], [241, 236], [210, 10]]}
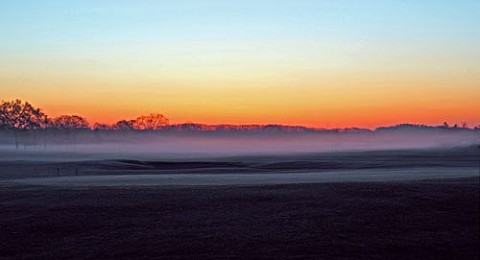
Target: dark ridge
{"points": [[301, 165], [341, 161], [162, 165], [135, 162], [461, 157]]}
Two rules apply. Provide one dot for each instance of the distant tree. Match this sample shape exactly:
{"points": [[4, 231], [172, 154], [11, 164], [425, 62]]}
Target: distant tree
{"points": [[67, 122], [70, 126], [18, 116], [445, 124], [150, 122], [22, 116], [123, 125], [98, 126]]}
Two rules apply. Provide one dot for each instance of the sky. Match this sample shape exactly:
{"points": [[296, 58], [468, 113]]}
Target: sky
{"points": [[314, 63]]}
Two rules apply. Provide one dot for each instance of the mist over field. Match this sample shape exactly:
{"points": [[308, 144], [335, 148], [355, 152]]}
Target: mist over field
{"points": [[109, 144], [26, 128]]}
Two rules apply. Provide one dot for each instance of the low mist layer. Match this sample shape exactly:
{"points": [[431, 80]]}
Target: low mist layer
{"points": [[110, 144]]}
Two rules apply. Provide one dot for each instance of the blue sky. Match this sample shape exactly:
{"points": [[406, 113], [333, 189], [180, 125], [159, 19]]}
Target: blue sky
{"points": [[33, 23]]}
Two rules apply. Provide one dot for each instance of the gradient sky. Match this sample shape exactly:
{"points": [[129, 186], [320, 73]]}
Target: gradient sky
{"points": [[313, 63]]}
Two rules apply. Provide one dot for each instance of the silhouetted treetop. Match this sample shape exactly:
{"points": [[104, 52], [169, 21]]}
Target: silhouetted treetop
{"points": [[101, 127], [20, 115], [70, 122], [123, 125], [150, 122]]}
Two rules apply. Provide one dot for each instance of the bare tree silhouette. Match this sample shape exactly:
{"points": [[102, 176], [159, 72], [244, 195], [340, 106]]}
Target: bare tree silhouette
{"points": [[68, 122], [70, 125], [150, 122], [101, 127], [18, 116], [124, 125]]}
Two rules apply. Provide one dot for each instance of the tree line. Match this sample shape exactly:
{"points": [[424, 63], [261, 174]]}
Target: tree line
{"points": [[21, 116], [31, 126]]}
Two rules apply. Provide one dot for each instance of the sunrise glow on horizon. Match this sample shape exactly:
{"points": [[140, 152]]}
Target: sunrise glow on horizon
{"points": [[312, 63]]}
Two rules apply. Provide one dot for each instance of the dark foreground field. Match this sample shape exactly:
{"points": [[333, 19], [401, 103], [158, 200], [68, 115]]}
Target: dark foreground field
{"points": [[436, 219]]}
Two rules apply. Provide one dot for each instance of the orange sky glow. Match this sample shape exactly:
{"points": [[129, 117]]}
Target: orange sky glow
{"points": [[313, 63]]}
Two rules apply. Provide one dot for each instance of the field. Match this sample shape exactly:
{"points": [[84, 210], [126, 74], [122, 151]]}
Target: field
{"points": [[409, 204]]}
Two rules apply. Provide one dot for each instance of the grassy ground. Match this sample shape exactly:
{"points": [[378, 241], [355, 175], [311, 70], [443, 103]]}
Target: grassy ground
{"points": [[395, 220]]}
